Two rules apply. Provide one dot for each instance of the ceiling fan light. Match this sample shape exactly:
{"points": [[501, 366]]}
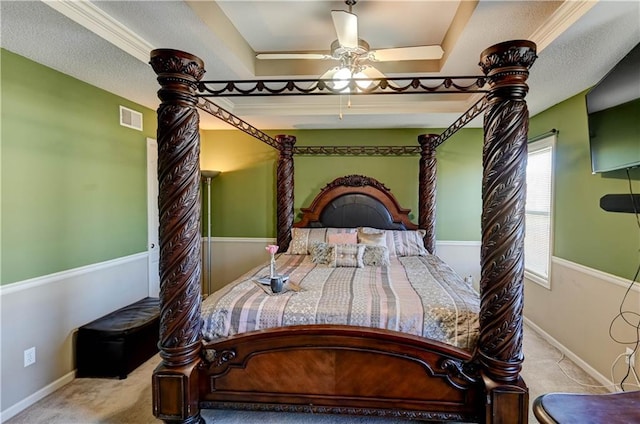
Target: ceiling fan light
{"points": [[341, 78], [364, 82]]}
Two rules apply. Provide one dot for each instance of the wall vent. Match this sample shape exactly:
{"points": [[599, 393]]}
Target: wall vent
{"points": [[130, 118]]}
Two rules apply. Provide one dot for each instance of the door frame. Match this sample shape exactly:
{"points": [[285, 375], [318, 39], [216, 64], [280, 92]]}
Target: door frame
{"points": [[153, 217]]}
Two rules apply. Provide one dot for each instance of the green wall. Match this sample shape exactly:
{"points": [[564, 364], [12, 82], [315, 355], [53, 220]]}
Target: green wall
{"points": [[584, 233], [247, 182], [73, 180], [242, 196]]}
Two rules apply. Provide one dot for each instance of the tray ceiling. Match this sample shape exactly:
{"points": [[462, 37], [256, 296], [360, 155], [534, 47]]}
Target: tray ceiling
{"points": [[107, 44]]}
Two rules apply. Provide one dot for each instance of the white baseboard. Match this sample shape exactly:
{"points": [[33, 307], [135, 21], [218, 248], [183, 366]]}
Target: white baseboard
{"points": [[572, 356], [40, 394]]}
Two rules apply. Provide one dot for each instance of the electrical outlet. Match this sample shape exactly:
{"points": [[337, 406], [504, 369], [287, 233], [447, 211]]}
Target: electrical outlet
{"points": [[30, 356], [629, 357]]}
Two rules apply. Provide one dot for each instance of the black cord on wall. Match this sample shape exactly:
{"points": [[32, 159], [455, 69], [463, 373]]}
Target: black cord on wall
{"points": [[630, 317]]}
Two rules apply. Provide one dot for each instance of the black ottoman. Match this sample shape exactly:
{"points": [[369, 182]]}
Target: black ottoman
{"points": [[117, 343]]}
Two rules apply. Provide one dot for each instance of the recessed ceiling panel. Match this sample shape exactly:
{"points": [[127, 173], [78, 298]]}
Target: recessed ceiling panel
{"points": [[307, 25]]}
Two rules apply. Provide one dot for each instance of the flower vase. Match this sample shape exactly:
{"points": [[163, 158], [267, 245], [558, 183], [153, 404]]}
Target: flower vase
{"points": [[272, 267], [272, 249]]}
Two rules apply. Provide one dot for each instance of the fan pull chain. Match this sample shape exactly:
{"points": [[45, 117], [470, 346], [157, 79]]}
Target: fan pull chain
{"points": [[340, 116]]}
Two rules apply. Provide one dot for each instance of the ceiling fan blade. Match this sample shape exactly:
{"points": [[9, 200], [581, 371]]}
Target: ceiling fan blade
{"points": [[372, 72], [313, 56], [329, 74], [407, 53], [346, 28]]}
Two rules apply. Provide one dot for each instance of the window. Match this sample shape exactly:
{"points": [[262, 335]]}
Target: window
{"points": [[538, 211]]}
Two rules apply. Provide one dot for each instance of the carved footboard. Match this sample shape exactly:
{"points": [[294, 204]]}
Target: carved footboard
{"points": [[330, 369]]}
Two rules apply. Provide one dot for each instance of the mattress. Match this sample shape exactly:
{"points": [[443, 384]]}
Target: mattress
{"points": [[418, 295]]}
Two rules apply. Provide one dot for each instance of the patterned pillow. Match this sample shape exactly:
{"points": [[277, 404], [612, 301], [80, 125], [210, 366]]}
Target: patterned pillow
{"points": [[342, 238], [407, 243], [333, 231], [368, 233], [323, 253], [399, 242], [372, 238], [349, 255], [303, 238], [375, 255]]}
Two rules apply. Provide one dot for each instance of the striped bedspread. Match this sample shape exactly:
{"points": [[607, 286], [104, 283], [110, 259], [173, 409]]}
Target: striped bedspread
{"points": [[419, 295]]}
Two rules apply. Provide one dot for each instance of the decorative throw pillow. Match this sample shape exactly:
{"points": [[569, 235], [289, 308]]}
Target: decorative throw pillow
{"points": [[332, 231], [372, 238], [370, 230], [375, 255], [399, 242], [369, 233], [349, 255], [408, 243], [323, 253], [303, 238], [342, 238]]}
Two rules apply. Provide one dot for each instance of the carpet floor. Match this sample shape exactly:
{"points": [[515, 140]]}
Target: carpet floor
{"points": [[128, 401]]}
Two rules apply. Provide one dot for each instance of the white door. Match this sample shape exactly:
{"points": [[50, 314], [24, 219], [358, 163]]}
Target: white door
{"points": [[153, 217]]}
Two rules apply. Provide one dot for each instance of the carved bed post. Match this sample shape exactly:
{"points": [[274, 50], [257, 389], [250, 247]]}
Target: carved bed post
{"points": [[506, 123], [175, 383], [284, 191], [427, 189]]}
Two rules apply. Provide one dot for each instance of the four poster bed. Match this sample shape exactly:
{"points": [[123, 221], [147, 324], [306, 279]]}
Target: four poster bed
{"points": [[456, 361]]}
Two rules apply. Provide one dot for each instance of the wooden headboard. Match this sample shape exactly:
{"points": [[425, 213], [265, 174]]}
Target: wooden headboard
{"points": [[356, 201]]}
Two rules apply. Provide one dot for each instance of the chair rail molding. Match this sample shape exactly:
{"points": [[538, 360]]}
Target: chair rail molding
{"points": [[30, 283]]}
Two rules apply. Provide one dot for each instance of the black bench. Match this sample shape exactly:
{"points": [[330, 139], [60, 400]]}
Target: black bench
{"points": [[117, 343]]}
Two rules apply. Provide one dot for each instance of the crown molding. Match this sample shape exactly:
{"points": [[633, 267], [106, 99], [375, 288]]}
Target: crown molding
{"points": [[564, 16], [95, 20]]}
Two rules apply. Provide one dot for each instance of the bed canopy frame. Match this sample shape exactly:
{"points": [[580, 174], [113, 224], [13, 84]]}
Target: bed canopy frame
{"points": [[486, 382]]}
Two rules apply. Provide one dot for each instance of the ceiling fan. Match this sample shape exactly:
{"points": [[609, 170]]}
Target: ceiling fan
{"points": [[353, 53]]}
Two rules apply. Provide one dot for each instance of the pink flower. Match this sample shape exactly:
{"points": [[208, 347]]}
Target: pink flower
{"points": [[272, 248]]}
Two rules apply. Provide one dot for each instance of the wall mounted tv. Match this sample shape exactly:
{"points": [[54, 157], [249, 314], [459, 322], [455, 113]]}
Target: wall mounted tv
{"points": [[613, 107]]}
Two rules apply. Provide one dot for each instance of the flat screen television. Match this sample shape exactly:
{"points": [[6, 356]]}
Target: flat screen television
{"points": [[613, 107]]}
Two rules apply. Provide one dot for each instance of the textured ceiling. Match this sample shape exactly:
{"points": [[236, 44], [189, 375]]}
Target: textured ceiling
{"points": [[578, 43]]}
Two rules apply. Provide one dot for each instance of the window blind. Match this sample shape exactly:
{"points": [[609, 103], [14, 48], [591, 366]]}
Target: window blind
{"points": [[538, 210]]}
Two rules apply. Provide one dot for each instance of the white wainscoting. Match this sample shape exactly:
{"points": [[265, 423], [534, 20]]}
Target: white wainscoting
{"points": [[463, 257], [575, 315], [232, 257], [45, 313]]}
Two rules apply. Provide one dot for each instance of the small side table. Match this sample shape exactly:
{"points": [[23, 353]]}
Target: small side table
{"points": [[573, 408]]}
